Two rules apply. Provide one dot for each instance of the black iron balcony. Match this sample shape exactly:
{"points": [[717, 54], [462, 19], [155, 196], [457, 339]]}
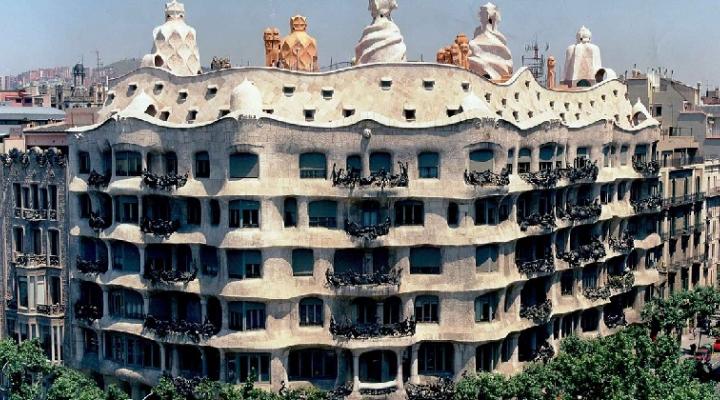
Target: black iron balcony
{"points": [[11, 304], [547, 178], [651, 167], [52, 309], [98, 222], [582, 171], [651, 203], [545, 221], [91, 267], [699, 196], [54, 261], [381, 179], [169, 276], [369, 232], [159, 227], [542, 265], [678, 200], [597, 293], [31, 215], [14, 156], [545, 352], [87, 312], [97, 180], [614, 318], [352, 278], [538, 313], [594, 251], [712, 192], [487, 178], [182, 329], [624, 244], [577, 212], [167, 182], [621, 282], [30, 259], [350, 330], [699, 258], [678, 162]]}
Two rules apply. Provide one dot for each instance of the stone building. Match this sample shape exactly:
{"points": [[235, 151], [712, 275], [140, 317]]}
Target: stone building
{"points": [[377, 226]]}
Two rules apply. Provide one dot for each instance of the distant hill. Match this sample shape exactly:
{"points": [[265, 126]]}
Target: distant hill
{"points": [[120, 68]]}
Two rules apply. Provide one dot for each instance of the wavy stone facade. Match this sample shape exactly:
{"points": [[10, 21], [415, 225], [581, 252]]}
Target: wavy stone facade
{"points": [[452, 240]]}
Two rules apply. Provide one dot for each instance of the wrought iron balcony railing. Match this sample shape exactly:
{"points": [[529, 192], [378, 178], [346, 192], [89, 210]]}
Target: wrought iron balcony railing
{"points": [[621, 282], [487, 178], [544, 221], [180, 329], [11, 304], [167, 182], [547, 178], [595, 250], [98, 222], [99, 266], [678, 200], [52, 309], [370, 232], [350, 330], [169, 276], [699, 196], [159, 227], [539, 313], [597, 293], [577, 212], [87, 312], [650, 203], [542, 265], [624, 244], [614, 318], [97, 180], [352, 278], [651, 167], [381, 179], [54, 261], [582, 171], [42, 157], [30, 259], [33, 215], [699, 226]]}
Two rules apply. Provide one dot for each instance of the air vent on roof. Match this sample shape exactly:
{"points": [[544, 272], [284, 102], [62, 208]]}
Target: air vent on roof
{"points": [[288, 90], [182, 95], [385, 83], [465, 85], [409, 113], [268, 110], [164, 115], [327, 93], [348, 111], [211, 91], [428, 84], [223, 112], [309, 114], [192, 116]]}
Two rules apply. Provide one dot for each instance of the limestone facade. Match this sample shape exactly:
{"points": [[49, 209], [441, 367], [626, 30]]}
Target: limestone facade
{"points": [[453, 240]]}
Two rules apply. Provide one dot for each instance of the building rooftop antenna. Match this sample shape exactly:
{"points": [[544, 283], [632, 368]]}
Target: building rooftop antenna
{"points": [[534, 60]]}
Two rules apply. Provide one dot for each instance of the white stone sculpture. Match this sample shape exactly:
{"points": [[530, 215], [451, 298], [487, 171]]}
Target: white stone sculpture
{"points": [[582, 60], [246, 98], [489, 53], [381, 41], [174, 44]]}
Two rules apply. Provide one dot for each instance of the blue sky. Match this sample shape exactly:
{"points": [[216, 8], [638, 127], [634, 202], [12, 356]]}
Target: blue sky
{"points": [[679, 35]]}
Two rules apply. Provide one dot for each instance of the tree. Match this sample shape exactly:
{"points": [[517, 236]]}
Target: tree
{"points": [[70, 384], [25, 366]]}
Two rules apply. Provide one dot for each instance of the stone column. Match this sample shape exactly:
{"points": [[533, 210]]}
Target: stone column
{"points": [[379, 311], [52, 343], [223, 365], [341, 372], [163, 349], [414, 375], [303, 218], [356, 372], [146, 303], [399, 375], [135, 391], [225, 314], [106, 301], [141, 251], [457, 359], [79, 346], [203, 358], [175, 368], [203, 309], [174, 308]]}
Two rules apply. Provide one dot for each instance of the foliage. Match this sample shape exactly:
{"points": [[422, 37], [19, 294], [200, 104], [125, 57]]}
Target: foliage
{"points": [[24, 365], [70, 384]]}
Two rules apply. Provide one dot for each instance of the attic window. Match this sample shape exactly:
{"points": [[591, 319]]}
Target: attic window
{"points": [[211, 91], [577, 116], [182, 95], [579, 106], [409, 113], [499, 113], [465, 85], [503, 102], [288, 90], [454, 110], [327, 93], [552, 104], [158, 87], [615, 93], [268, 110], [348, 111], [517, 96], [567, 106], [617, 117], [385, 83], [164, 115], [132, 88], [538, 95], [592, 103], [192, 116], [223, 112], [428, 84], [530, 114], [515, 115], [562, 116], [111, 96], [527, 84], [602, 97], [151, 110], [309, 114]]}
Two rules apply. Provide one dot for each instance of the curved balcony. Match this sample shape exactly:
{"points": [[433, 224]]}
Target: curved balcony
{"points": [[381, 179], [350, 330], [577, 212], [52, 310], [582, 171], [621, 282], [614, 318], [168, 182], [170, 276], [487, 178], [539, 313], [648, 204], [369, 232], [537, 266], [625, 244], [91, 267], [597, 293], [645, 167], [352, 278], [544, 221], [97, 180], [182, 329], [159, 227], [87, 312], [594, 251], [547, 178]]}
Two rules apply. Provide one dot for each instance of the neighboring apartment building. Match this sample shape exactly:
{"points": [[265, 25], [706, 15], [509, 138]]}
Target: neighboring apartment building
{"points": [[712, 219], [374, 226]]}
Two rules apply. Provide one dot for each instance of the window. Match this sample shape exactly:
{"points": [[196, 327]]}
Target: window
{"points": [[623, 155], [485, 307], [487, 212], [83, 162], [323, 213], [567, 282], [622, 188], [244, 165], [487, 357], [126, 209], [353, 165], [214, 212], [54, 239], [128, 163], [589, 277], [312, 364], [303, 262], [547, 157], [435, 358], [486, 258], [35, 200], [246, 315], [605, 194], [126, 257], [17, 195], [453, 214], [589, 321], [641, 152], [171, 163], [85, 205], [524, 159], [242, 366], [202, 164], [313, 166], [409, 212], [52, 194], [425, 260], [380, 162], [244, 264], [36, 240], [209, 260], [311, 312], [426, 309], [193, 210], [428, 165], [22, 291], [18, 239], [290, 212], [482, 160], [132, 350], [126, 304], [244, 214]]}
